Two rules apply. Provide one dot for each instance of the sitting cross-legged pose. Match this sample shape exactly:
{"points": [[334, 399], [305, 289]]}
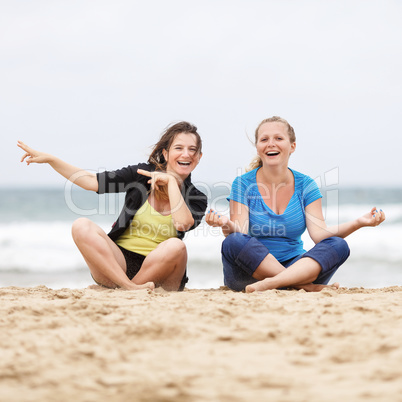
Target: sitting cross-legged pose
{"points": [[144, 247], [270, 207]]}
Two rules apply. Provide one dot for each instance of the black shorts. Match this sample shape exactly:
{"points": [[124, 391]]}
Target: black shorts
{"points": [[134, 262]]}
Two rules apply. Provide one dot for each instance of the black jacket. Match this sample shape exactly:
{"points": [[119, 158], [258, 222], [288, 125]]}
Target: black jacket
{"points": [[137, 189]]}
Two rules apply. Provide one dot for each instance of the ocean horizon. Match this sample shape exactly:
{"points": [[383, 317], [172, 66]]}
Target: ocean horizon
{"points": [[36, 246]]}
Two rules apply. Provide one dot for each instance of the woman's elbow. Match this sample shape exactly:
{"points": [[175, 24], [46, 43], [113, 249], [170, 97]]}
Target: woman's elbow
{"points": [[183, 226], [318, 236], [89, 183], [94, 184], [316, 239]]}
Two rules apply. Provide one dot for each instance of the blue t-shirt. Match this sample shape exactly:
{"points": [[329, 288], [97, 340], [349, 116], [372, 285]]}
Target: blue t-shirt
{"points": [[281, 234]]}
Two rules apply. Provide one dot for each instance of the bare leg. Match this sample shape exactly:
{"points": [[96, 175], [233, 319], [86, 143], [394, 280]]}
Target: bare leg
{"points": [[165, 265], [302, 273], [270, 267], [103, 257]]}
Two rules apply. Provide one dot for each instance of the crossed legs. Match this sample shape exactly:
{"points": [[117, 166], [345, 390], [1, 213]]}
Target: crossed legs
{"points": [[300, 275], [249, 265], [164, 266]]}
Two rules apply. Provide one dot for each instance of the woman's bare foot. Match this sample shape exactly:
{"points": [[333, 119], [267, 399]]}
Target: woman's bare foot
{"points": [[148, 285], [266, 284], [260, 286], [312, 287], [133, 286]]}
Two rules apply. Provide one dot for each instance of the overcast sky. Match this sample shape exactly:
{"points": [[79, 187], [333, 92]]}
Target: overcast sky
{"points": [[96, 82]]}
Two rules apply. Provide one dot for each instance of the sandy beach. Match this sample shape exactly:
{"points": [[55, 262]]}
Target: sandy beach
{"points": [[200, 345]]}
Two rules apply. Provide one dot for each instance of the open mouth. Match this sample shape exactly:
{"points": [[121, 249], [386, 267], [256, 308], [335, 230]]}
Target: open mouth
{"points": [[273, 153], [184, 163]]}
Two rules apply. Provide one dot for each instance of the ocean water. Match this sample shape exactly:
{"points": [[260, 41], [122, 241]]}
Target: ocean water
{"points": [[36, 247]]}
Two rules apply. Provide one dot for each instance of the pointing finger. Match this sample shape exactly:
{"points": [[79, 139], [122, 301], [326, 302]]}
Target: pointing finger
{"points": [[144, 172], [23, 146]]}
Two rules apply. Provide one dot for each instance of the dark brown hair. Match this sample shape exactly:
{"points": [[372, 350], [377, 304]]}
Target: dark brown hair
{"points": [[166, 140]]}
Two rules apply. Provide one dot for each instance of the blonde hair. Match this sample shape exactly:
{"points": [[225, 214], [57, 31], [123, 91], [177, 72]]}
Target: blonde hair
{"points": [[256, 162]]}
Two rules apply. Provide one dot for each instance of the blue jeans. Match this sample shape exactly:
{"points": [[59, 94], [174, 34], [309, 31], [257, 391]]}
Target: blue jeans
{"points": [[242, 254]]}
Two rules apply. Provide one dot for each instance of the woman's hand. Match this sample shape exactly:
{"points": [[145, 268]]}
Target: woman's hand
{"points": [[80, 177], [157, 179], [166, 186], [32, 155], [213, 219], [372, 218]]}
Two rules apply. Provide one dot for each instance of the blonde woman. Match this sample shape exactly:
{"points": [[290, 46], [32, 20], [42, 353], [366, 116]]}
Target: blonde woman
{"points": [[270, 208]]}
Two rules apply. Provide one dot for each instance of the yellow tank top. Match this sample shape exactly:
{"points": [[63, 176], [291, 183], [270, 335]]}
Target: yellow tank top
{"points": [[148, 228]]}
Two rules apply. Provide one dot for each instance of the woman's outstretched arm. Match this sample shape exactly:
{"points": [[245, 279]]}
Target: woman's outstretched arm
{"points": [[80, 177], [318, 229]]}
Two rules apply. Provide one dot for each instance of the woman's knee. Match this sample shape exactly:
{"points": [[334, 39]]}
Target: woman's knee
{"points": [[341, 247], [175, 247], [234, 243], [80, 229]]}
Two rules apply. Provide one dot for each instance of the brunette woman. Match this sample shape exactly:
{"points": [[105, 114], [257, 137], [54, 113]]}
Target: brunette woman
{"points": [[144, 248]]}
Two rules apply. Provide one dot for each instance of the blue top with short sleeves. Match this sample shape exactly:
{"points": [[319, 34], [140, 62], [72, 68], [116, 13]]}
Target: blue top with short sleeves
{"points": [[281, 234]]}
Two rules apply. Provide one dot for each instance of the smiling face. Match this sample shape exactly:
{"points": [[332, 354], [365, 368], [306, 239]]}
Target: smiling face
{"points": [[274, 146], [183, 155]]}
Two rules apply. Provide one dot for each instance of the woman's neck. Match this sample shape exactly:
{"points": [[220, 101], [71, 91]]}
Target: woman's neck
{"points": [[276, 187], [274, 176]]}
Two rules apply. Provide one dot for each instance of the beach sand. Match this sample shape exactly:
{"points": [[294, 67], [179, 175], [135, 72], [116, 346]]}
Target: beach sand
{"points": [[200, 345]]}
